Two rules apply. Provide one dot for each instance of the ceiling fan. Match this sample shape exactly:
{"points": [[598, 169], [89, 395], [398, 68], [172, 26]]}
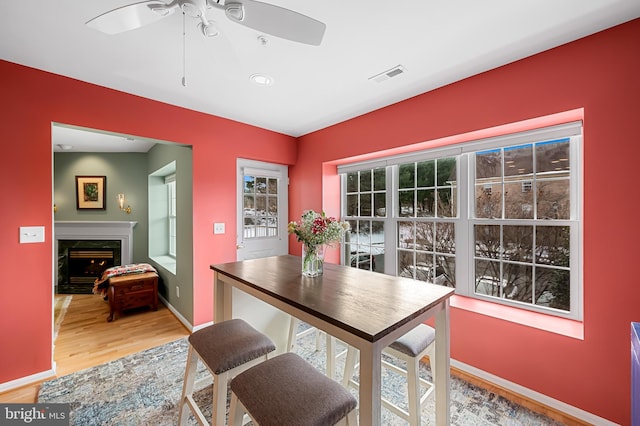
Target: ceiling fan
{"points": [[268, 18]]}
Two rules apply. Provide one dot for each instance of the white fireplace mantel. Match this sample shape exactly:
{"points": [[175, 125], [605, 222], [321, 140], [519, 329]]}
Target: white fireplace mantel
{"points": [[93, 230]]}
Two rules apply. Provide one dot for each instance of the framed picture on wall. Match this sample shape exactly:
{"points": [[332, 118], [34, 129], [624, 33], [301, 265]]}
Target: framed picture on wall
{"points": [[90, 192]]}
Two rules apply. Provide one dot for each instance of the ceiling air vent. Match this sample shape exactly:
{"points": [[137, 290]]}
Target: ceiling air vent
{"points": [[393, 72]]}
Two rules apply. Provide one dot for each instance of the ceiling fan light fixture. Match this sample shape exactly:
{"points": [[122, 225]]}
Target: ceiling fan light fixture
{"points": [[262, 79], [210, 29], [161, 9], [235, 11]]}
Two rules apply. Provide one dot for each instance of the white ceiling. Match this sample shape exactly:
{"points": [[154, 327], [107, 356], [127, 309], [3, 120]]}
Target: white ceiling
{"points": [[438, 42]]}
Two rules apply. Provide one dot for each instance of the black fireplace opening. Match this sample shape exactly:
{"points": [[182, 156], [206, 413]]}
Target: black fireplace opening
{"points": [[87, 264], [80, 263]]}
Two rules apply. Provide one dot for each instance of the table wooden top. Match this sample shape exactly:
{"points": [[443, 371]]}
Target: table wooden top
{"points": [[364, 303]]}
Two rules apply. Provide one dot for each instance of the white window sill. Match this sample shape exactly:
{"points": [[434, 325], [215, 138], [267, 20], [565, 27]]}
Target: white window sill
{"points": [[167, 262], [570, 328]]}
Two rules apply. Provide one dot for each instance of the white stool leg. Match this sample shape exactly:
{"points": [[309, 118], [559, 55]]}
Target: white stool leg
{"points": [[319, 334], [352, 417], [293, 331], [432, 362], [236, 411], [187, 386], [219, 399], [349, 365], [413, 391]]}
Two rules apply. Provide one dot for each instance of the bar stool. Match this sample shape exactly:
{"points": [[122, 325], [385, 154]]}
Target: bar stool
{"points": [[410, 348], [226, 349], [285, 391], [331, 343]]}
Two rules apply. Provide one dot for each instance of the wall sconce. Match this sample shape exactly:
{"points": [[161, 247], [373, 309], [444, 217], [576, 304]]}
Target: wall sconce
{"points": [[127, 209]]}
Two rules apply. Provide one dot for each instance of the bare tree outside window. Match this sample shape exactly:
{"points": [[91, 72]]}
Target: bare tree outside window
{"points": [[530, 262]]}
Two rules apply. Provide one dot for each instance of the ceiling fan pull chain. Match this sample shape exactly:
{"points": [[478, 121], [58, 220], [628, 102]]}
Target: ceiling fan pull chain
{"points": [[184, 51]]}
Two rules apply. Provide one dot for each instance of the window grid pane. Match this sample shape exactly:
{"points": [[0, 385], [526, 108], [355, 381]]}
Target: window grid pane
{"points": [[426, 188], [524, 263], [366, 199], [426, 251], [365, 244], [260, 207]]}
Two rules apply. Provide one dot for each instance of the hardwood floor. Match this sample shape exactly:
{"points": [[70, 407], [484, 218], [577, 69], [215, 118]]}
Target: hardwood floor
{"points": [[86, 338]]}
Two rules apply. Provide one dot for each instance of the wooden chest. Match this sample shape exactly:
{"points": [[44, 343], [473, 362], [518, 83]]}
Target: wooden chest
{"points": [[132, 291]]}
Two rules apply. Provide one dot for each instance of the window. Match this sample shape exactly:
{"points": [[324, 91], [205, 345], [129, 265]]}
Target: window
{"points": [[163, 216], [498, 219], [521, 237], [260, 206], [425, 227], [366, 211], [170, 183]]}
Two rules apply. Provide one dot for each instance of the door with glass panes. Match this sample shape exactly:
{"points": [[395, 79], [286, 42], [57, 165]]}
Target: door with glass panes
{"points": [[262, 214]]}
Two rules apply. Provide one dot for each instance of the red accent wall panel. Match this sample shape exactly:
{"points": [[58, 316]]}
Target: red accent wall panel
{"points": [[598, 75], [31, 101]]}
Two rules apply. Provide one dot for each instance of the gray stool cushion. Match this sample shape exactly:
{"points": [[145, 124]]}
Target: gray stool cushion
{"points": [[228, 344], [415, 341], [287, 390]]}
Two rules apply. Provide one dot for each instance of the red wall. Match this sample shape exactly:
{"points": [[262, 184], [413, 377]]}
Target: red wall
{"points": [[601, 74], [31, 100]]}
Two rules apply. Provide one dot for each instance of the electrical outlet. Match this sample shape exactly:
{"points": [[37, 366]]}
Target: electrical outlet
{"points": [[218, 228], [178, 291]]}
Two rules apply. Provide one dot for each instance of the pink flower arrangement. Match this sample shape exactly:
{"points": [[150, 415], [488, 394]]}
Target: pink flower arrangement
{"points": [[315, 229]]}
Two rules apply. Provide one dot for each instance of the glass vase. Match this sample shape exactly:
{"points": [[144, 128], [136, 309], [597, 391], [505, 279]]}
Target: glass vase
{"points": [[312, 260]]}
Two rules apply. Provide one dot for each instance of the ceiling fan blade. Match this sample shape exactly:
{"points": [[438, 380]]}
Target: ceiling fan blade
{"points": [[130, 17], [276, 21]]}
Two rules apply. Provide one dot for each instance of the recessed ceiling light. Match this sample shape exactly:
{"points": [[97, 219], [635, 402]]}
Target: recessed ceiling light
{"points": [[64, 147], [261, 79]]}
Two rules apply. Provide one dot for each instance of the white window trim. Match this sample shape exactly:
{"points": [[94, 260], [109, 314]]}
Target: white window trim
{"points": [[158, 247], [168, 180]]}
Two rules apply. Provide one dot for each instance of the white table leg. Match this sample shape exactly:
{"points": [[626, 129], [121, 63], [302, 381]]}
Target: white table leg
{"points": [[370, 386], [442, 375], [218, 299]]}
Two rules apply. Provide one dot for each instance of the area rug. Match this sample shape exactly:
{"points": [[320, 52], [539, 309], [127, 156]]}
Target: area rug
{"points": [[144, 389], [60, 305]]}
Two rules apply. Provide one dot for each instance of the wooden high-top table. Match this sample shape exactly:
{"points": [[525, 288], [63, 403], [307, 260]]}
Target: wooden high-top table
{"points": [[364, 309]]}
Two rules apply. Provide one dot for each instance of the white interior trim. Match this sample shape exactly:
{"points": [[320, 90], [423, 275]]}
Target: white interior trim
{"points": [[28, 380], [89, 230]]}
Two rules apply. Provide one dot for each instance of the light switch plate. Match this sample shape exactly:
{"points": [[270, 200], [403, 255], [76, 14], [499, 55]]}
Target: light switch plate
{"points": [[218, 228], [31, 234]]}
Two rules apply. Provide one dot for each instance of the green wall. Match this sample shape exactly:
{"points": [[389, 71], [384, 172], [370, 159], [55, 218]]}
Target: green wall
{"points": [[159, 156], [125, 172]]}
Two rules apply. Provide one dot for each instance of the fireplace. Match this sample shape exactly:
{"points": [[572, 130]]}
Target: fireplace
{"points": [[85, 249], [80, 262]]}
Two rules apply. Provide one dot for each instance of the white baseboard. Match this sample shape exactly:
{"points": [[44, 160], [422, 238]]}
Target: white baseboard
{"points": [[175, 312], [533, 395], [27, 380], [182, 319]]}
